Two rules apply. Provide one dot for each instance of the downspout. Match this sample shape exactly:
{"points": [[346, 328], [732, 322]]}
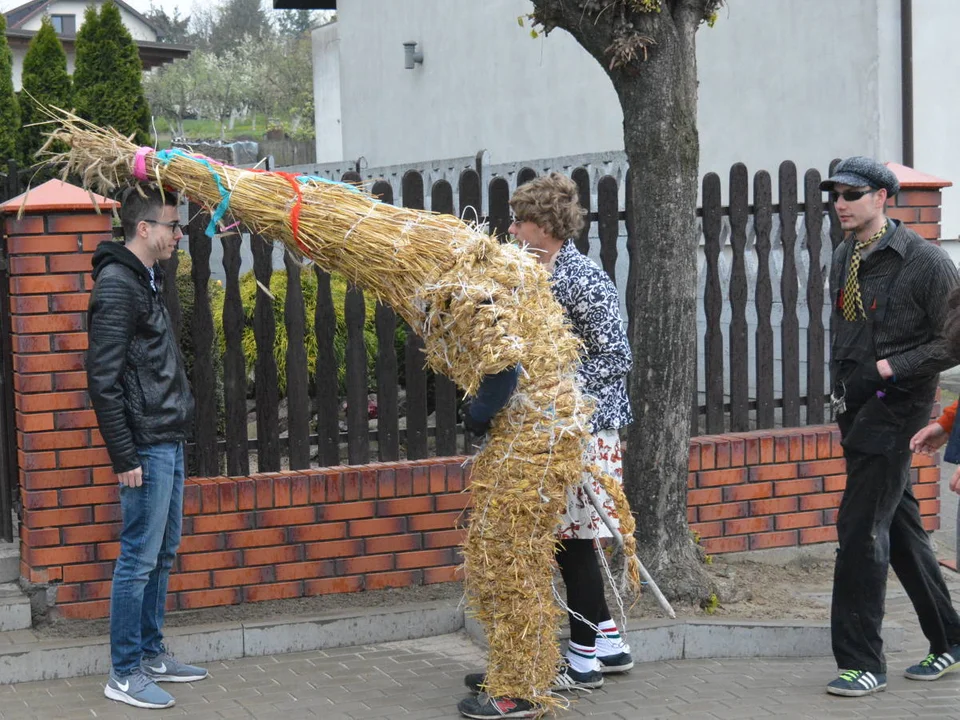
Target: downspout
{"points": [[906, 80]]}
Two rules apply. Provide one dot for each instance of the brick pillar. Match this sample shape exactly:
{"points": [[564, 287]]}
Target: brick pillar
{"points": [[68, 492], [918, 202]]}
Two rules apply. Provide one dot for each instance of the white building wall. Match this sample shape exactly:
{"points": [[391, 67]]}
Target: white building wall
{"points": [[779, 79], [138, 29], [17, 67], [484, 84], [936, 94], [808, 82], [326, 92]]}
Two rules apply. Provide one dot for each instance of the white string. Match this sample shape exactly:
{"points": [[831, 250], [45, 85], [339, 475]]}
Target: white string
{"points": [[622, 611], [353, 227]]}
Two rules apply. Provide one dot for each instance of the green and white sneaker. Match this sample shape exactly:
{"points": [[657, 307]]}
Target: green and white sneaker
{"points": [[856, 683], [934, 667]]}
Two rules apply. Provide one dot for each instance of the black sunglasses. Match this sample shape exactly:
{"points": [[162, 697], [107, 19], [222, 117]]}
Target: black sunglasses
{"points": [[174, 225], [514, 220], [849, 195]]}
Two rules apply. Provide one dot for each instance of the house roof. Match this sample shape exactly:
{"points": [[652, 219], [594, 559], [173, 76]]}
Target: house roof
{"points": [[152, 54], [20, 14]]}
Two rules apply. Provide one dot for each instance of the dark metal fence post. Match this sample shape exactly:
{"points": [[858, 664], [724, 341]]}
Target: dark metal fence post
{"points": [[9, 470]]}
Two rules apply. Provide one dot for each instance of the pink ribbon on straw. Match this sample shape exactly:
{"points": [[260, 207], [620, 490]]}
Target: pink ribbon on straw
{"points": [[140, 163]]}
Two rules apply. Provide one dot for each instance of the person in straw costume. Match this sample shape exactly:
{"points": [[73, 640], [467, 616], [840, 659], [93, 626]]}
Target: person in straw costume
{"points": [[481, 307], [547, 212]]}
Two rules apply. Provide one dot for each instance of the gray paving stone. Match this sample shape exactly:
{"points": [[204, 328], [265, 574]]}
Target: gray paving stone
{"points": [[422, 680]]}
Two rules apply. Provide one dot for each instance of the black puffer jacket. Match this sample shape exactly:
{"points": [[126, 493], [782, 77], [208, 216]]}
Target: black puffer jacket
{"points": [[135, 371]]}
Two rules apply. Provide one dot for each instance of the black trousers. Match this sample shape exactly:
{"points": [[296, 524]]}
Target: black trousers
{"points": [[879, 525], [581, 574]]}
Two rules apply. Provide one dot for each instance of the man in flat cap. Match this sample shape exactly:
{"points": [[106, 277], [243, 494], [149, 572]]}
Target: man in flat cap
{"points": [[889, 289]]}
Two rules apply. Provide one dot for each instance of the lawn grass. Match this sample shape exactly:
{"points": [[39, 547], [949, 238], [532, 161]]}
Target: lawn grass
{"points": [[209, 129]]}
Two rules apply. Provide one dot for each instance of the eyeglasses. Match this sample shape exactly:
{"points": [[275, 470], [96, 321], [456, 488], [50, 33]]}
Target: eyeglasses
{"points": [[514, 220], [174, 225], [849, 195]]}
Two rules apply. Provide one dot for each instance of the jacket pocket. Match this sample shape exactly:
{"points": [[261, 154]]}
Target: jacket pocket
{"points": [[861, 383], [146, 386]]}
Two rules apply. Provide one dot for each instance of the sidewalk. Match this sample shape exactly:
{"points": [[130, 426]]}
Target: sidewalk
{"points": [[423, 680]]}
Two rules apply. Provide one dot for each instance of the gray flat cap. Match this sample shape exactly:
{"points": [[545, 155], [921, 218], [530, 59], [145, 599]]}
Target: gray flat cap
{"points": [[858, 171]]}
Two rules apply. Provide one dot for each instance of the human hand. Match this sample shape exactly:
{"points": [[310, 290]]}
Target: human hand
{"points": [[929, 439], [131, 478], [883, 367], [479, 429], [955, 481]]}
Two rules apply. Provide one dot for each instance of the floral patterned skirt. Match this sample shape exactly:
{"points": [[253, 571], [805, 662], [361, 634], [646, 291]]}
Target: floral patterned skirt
{"points": [[580, 521]]}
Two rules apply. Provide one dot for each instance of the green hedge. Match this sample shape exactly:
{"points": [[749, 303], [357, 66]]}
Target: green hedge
{"points": [[278, 288]]}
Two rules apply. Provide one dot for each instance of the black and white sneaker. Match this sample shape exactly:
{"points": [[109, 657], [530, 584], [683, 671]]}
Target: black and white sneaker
{"points": [[566, 679], [621, 662], [857, 683], [569, 679]]}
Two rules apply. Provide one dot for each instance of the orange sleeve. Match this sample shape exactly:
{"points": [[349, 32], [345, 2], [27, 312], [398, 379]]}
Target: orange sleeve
{"points": [[948, 417]]}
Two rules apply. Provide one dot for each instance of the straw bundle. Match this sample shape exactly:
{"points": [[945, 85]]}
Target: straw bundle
{"points": [[480, 307]]}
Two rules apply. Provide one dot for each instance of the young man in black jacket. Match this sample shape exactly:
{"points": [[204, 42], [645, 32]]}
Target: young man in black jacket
{"points": [[889, 290], [144, 407]]}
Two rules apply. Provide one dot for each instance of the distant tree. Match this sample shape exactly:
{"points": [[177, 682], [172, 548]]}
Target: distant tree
{"points": [[294, 22], [238, 22], [281, 80], [9, 108], [175, 91], [46, 82], [171, 28], [224, 83], [108, 88]]}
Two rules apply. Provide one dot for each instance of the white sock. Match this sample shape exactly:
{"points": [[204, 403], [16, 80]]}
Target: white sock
{"points": [[582, 658], [609, 641]]}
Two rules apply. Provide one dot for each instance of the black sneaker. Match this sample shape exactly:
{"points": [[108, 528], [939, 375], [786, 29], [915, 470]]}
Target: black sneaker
{"points": [[933, 667], [569, 679], [474, 681], [566, 679], [483, 706], [621, 662], [856, 683]]}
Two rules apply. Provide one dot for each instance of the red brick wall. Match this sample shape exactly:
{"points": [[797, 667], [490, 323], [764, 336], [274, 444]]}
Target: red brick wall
{"points": [[920, 209], [918, 202], [279, 535], [779, 488], [65, 482]]}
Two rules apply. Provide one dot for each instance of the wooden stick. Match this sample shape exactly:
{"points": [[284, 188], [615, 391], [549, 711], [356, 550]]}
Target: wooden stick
{"points": [[618, 538]]}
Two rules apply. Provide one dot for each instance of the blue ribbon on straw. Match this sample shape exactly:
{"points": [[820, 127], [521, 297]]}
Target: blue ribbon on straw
{"points": [[167, 155]]}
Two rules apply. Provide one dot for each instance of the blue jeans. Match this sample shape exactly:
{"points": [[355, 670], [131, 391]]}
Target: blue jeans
{"points": [[152, 520]]}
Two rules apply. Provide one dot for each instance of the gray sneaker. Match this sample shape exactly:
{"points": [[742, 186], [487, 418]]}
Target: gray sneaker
{"points": [[138, 690], [166, 668]]}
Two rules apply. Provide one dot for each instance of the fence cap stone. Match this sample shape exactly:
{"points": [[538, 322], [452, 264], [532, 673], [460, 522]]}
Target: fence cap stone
{"points": [[911, 179], [57, 196]]}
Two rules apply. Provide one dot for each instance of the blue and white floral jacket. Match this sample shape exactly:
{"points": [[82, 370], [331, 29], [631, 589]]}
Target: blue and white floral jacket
{"points": [[590, 300]]}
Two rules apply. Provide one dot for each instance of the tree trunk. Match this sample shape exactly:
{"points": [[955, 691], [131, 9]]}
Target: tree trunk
{"points": [[662, 145], [659, 101]]}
